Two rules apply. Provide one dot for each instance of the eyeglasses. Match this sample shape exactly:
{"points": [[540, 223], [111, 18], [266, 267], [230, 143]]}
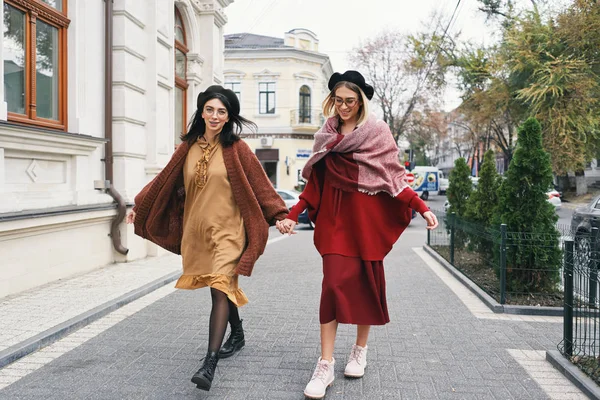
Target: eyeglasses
{"points": [[221, 112], [350, 102]]}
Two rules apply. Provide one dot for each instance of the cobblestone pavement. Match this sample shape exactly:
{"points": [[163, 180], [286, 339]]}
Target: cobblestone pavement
{"points": [[433, 348]]}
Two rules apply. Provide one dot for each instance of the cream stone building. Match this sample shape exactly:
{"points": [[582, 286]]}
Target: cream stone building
{"points": [[281, 83], [94, 95]]}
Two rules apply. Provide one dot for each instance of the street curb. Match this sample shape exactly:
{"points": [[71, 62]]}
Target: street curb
{"points": [[488, 300], [477, 291], [56, 333], [573, 374]]}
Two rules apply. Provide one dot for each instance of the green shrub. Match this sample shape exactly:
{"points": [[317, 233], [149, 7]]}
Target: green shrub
{"points": [[533, 253]]}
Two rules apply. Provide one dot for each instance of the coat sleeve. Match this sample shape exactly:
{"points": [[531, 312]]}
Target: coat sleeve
{"points": [[271, 204], [411, 199], [311, 195]]}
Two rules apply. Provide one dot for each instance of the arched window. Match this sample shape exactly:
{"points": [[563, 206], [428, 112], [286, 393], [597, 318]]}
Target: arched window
{"points": [[181, 84], [304, 111]]}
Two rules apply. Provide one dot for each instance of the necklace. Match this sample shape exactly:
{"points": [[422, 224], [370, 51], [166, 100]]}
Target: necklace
{"points": [[202, 164]]}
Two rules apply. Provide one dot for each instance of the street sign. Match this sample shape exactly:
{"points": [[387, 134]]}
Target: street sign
{"points": [[303, 153], [410, 177]]}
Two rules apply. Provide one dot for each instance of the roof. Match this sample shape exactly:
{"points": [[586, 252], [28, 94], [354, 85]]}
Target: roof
{"points": [[252, 41]]}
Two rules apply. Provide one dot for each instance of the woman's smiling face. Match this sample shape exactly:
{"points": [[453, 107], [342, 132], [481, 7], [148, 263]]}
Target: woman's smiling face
{"points": [[347, 103]]}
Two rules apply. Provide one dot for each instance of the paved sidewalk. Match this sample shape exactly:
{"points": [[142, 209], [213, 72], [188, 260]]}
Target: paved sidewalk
{"points": [[38, 317], [437, 345], [40, 313]]}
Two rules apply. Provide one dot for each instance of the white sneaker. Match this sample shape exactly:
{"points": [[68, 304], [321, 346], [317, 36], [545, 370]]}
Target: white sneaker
{"points": [[322, 378], [357, 362]]}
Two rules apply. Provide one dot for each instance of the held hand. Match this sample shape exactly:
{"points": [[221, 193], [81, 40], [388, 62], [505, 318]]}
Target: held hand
{"points": [[286, 226], [130, 217], [431, 219]]}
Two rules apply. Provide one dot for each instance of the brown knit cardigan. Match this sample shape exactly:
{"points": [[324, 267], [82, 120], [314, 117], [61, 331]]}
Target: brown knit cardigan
{"points": [[159, 206]]}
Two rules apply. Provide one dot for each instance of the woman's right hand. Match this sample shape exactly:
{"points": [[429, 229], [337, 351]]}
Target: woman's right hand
{"points": [[130, 217], [286, 226]]}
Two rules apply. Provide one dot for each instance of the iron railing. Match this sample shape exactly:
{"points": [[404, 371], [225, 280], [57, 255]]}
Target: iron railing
{"points": [[528, 268]]}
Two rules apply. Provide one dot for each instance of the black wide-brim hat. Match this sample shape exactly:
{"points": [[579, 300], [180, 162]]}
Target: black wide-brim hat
{"points": [[354, 77], [209, 93]]}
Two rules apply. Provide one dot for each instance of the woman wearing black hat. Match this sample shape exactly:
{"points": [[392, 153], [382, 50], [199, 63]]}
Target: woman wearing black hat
{"points": [[213, 204], [357, 195]]}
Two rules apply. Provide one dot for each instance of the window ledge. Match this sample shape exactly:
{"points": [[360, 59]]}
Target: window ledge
{"points": [[267, 115], [22, 137]]}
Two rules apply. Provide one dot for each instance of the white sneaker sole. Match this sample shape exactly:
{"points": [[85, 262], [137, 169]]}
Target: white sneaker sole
{"points": [[313, 396], [348, 375]]}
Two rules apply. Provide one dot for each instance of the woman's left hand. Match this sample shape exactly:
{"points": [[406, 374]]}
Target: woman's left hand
{"points": [[431, 219], [286, 226]]}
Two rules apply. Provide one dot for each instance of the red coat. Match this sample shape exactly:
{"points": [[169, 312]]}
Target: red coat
{"points": [[351, 223]]}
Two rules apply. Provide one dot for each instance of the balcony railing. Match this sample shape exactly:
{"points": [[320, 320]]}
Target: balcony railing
{"points": [[309, 118]]}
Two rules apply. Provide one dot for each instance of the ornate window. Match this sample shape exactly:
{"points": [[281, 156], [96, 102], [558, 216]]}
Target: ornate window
{"points": [[35, 61], [304, 109], [181, 84]]}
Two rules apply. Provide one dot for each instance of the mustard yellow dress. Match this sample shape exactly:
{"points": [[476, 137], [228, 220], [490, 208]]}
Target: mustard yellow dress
{"points": [[213, 230]]}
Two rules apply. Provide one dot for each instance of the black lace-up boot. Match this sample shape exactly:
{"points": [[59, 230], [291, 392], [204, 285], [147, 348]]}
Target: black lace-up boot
{"points": [[234, 342], [204, 377]]}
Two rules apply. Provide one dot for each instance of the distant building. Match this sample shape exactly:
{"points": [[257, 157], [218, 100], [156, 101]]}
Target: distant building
{"points": [[281, 83]]}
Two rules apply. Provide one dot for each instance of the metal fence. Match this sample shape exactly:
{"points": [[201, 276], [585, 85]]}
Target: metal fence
{"points": [[581, 337], [513, 267], [527, 268]]}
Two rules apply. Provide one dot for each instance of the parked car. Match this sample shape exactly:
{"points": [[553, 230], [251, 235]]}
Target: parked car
{"points": [[586, 217], [290, 198], [554, 198]]}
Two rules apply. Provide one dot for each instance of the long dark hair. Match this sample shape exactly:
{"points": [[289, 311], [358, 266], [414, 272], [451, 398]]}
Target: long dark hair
{"points": [[231, 129]]}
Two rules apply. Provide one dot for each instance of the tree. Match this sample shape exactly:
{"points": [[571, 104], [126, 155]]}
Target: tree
{"points": [[459, 188], [533, 256], [405, 71], [558, 63], [489, 105], [424, 131], [483, 201], [505, 9]]}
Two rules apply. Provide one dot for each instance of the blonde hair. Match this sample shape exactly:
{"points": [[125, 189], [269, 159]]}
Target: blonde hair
{"points": [[329, 109]]}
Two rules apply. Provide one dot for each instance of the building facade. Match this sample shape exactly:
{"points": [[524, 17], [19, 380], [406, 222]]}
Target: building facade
{"points": [[281, 83], [92, 92]]}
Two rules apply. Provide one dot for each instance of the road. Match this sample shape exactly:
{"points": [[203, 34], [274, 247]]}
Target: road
{"points": [[564, 214]]}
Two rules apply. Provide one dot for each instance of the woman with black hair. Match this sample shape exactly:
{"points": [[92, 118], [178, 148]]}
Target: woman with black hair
{"points": [[213, 204]]}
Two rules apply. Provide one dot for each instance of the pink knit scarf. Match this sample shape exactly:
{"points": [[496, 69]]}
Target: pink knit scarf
{"points": [[371, 147]]}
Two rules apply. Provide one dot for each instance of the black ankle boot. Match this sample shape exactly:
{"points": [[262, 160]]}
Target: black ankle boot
{"points": [[204, 377], [234, 342]]}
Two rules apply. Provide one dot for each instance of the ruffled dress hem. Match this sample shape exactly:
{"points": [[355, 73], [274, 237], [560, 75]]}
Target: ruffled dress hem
{"points": [[224, 283]]}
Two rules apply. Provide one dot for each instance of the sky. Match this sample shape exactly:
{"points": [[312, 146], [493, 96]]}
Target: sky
{"points": [[341, 25]]}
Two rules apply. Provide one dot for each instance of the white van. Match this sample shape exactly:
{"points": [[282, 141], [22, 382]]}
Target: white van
{"points": [[427, 181]]}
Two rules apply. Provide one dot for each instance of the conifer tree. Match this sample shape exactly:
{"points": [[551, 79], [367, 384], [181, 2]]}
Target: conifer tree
{"points": [[483, 201], [533, 255], [459, 188]]}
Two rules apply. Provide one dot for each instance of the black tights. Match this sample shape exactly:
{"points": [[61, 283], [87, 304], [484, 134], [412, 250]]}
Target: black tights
{"points": [[223, 311]]}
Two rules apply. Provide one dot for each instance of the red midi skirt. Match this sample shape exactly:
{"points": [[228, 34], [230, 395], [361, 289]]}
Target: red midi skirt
{"points": [[353, 291]]}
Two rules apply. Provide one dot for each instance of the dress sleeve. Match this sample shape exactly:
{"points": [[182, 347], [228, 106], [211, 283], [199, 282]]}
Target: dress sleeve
{"points": [[412, 200], [271, 204], [311, 196]]}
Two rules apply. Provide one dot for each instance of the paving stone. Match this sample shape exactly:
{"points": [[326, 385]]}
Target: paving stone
{"points": [[433, 348]]}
